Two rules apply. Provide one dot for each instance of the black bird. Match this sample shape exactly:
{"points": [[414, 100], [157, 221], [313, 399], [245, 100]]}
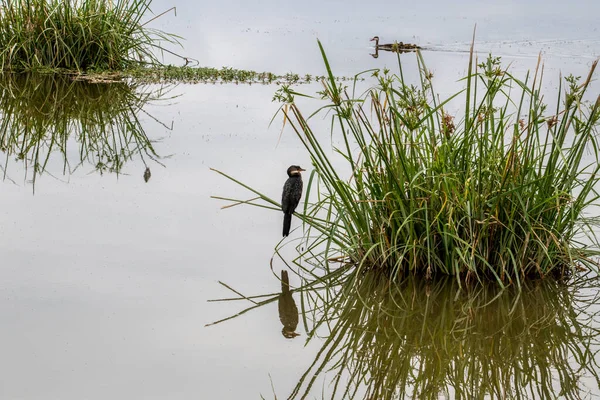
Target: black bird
{"points": [[292, 192], [288, 311]]}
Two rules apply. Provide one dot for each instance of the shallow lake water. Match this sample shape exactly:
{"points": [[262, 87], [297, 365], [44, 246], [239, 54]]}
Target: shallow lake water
{"points": [[105, 277]]}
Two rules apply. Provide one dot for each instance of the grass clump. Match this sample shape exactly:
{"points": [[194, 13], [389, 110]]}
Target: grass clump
{"points": [[76, 35], [501, 192]]}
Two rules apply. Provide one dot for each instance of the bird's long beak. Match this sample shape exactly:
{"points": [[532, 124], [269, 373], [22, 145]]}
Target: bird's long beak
{"points": [[301, 169], [372, 39]]}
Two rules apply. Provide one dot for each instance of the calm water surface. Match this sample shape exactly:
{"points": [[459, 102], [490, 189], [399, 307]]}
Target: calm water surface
{"points": [[105, 277]]}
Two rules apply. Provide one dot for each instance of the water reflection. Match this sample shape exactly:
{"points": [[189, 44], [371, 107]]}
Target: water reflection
{"points": [[288, 311], [147, 174], [48, 117], [426, 340], [398, 51]]}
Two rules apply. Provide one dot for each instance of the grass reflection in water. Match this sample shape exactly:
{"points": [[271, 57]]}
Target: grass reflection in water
{"points": [[43, 115], [420, 339], [430, 339]]}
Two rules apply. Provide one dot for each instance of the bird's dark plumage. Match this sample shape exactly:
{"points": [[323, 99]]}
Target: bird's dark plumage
{"points": [[292, 192]]}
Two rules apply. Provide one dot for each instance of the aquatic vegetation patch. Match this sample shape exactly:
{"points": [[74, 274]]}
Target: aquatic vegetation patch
{"points": [[175, 74], [502, 192], [194, 75], [77, 35], [425, 233]]}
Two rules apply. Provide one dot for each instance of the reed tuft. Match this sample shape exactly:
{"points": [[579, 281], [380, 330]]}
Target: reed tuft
{"points": [[504, 191], [77, 35]]}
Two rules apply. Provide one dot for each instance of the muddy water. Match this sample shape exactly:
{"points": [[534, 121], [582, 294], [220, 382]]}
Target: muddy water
{"points": [[105, 277]]}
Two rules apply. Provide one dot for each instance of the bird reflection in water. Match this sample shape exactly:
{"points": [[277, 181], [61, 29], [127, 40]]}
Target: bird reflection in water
{"points": [[147, 175], [288, 311], [399, 51]]}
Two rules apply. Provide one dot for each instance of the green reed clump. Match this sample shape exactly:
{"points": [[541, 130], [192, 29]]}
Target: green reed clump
{"points": [[502, 192], [76, 34]]}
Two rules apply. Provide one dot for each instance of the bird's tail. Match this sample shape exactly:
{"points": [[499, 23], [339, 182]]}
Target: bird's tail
{"points": [[285, 282], [287, 223]]}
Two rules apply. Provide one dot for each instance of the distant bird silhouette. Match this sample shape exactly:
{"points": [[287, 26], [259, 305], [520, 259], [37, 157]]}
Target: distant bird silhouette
{"points": [[292, 192], [288, 311]]}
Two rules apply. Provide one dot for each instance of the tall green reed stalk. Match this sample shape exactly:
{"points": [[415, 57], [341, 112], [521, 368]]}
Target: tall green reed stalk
{"points": [[502, 193], [77, 35]]}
